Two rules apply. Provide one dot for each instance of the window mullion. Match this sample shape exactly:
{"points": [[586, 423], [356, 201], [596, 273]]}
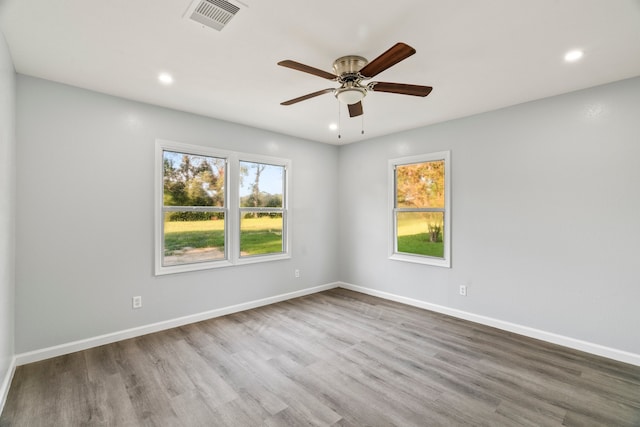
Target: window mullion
{"points": [[419, 209], [193, 209]]}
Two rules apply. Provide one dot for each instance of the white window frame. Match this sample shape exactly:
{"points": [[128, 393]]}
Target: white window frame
{"points": [[231, 208], [445, 261], [286, 229]]}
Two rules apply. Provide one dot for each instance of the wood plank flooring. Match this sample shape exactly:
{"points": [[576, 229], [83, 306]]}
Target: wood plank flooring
{"points": [[336, 358]]}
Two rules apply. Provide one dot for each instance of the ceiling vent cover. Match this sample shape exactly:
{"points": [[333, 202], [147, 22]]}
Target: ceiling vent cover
{"points": [[213, 13]]}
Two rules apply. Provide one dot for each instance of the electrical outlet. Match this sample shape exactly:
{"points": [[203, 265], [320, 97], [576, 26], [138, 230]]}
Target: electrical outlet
{"points": [[136, 302], [463, 290], [296, 272]]}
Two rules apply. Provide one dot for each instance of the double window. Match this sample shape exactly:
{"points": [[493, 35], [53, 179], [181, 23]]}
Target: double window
{"points": [[420, 209], [217, 208]]}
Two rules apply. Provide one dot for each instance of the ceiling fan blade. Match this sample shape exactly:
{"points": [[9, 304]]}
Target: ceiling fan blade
{"points": [[307, 69], [401, 88], [391, 57], [304, 97], [355, 110]]}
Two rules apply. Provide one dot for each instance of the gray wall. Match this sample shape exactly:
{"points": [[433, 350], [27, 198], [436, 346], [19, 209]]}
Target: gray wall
{"points": [[7, 208], [85, 216], [546, 215]]}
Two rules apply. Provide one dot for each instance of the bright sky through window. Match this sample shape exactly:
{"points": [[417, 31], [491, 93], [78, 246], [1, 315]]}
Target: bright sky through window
{"points": [[271, 180]]}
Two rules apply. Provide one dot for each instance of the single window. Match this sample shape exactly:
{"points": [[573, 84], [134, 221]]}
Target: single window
{"points": [[262, 209], [421, 229]]}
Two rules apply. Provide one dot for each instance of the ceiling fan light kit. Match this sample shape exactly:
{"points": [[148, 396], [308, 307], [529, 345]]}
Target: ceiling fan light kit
{"points": [[351, 70], [350, 94]]}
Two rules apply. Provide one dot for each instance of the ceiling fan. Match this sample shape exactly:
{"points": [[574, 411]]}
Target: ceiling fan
{"points": [[352, 70]]}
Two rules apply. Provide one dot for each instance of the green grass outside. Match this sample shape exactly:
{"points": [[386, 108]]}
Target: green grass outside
{"points": [[413, 236], [420, 244], [177, 241], [261, 235], [264, 236], [258, 236]]}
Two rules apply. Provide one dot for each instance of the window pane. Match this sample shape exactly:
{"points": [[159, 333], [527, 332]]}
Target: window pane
{"points": [[191, 237], [191, 180], [421, 233], [261, 185], [260, 233], [420, 185]]}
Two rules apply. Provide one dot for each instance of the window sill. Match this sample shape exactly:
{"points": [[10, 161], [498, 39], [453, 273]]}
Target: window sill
{"points": [[262, 258], [184, 268], [420, 259]]}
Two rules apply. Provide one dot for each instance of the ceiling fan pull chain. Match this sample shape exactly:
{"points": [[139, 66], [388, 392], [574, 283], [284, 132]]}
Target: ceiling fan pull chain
{"points": [[362, 125], [339, 136]]}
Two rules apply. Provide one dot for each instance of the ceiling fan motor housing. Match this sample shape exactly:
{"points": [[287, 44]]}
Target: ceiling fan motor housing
{"points": [[347, 69]]}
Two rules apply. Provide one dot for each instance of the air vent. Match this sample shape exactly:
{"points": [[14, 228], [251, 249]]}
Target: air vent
{"points": [[212, 13]]}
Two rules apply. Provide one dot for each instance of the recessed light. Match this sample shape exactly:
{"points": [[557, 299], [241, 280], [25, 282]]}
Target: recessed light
{"points": [[573, 55], [165, 78], [333, 126]]}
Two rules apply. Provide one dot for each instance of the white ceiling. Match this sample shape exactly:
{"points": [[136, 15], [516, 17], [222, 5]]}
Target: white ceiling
{"points": [[477, 55]]}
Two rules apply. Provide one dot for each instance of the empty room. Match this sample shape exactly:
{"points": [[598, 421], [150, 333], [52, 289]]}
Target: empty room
{"points": [[339, 213]]}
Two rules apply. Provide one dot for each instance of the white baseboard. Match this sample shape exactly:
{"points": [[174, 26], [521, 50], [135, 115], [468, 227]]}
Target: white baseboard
{"points": [[59, 350], [6, 383], [597, 349], [46, 353]]}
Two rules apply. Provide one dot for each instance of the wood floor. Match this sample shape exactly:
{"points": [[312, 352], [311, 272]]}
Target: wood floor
{"points": [[334, 358]]}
